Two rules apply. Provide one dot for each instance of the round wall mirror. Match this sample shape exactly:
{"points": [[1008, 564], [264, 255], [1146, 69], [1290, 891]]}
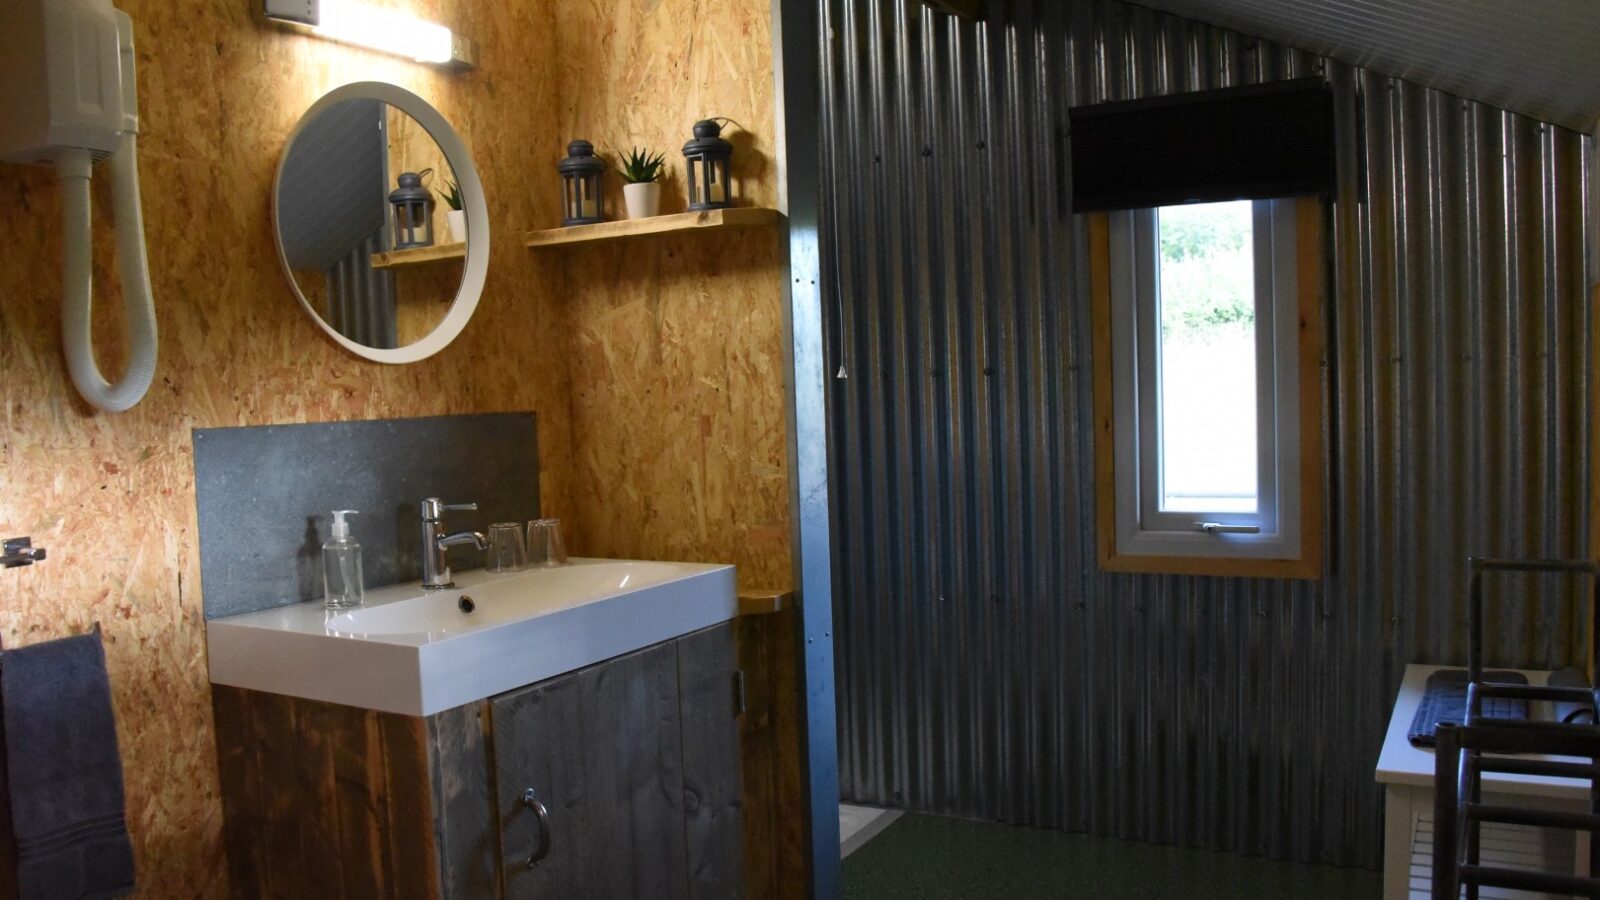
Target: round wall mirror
{"points": [[381, 223]]}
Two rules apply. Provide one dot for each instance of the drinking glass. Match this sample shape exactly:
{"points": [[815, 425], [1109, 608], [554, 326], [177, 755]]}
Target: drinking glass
{"points": [[545, 547], [506, 550]]}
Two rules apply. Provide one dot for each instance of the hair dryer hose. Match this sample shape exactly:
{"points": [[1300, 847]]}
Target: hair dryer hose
{"points": [[79, 281]]}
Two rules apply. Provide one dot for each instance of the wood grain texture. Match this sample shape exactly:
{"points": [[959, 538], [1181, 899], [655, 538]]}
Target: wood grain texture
{"points": [[769, 729], [413, 845], [677, 356], [240, 787], [1310, 304], [1313, 273], [360, 805], [759, 603], [1105, 424], [710, 221], [524, 757], [111, 496], [331, 801], [603, 749], [713, 789], [421, 256], [460, 772]]}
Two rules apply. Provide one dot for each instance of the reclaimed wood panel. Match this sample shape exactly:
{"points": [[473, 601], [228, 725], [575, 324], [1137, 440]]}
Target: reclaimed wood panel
{"points": [[602, 747], [713, 789], [241, 792], [408, 802], [311, 810], [332, 801], [283, 802], [524, 757], [633, 738], [769, 737], [360, 800], [460, 767]]}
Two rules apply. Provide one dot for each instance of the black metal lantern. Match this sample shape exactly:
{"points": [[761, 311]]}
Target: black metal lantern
{"points": [[413, 213], [583, 202], [709, 156]]}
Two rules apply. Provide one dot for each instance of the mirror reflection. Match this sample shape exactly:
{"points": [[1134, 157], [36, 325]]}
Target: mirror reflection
{"points": [[369, 223]]}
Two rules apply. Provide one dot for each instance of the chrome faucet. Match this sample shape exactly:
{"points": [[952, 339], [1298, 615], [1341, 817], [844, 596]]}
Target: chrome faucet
{"points": [[435, 567]]}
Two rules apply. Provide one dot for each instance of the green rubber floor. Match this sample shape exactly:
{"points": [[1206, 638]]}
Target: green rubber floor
{"points": [[932, 858]]}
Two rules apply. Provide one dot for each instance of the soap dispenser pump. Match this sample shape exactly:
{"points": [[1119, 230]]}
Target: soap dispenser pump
{"points": [[342, 583]]}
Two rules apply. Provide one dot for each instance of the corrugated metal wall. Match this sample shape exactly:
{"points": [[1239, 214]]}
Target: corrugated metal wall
{"points": [[987, 668]]}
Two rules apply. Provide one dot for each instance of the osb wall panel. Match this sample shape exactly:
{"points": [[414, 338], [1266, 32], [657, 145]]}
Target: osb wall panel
{"points": [[112, 496], [677, 367]]}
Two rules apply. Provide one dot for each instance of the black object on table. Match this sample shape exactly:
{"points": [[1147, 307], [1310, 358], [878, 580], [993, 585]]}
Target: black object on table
{"points": [[1464, 753], [1444, 699]]}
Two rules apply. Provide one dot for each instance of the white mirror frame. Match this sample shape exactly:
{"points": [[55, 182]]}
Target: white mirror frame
{"points": [[472, 202]]}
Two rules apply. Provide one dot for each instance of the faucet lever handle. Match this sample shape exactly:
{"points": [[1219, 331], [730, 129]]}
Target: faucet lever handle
{"points": [[433, 508]]}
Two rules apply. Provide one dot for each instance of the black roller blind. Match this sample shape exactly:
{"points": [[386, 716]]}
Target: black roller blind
{"points": [[1244, 143]]}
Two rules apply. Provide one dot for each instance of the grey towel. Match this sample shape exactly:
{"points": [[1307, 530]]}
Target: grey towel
{"points": [[64, 772]]}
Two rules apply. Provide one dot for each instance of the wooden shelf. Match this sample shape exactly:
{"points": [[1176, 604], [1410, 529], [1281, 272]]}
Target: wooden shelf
{"points": [[679, 223], [757, 603], [421, 256]]}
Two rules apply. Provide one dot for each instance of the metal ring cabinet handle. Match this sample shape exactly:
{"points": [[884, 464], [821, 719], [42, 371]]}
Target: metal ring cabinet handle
{"points": [[530, 799]]}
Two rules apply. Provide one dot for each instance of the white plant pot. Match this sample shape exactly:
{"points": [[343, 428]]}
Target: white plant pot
{"points": [[644, 200], [456, 221]]}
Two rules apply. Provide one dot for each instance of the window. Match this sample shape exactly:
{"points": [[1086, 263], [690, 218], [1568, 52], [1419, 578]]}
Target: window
{"points": [[1208, 387]]}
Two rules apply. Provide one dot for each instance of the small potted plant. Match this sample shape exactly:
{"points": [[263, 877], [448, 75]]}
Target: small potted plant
{"points": [[456, 218], [641, 190]]}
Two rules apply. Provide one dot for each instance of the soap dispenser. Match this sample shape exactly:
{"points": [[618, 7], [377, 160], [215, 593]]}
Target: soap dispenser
{"points": [[342, 583]]}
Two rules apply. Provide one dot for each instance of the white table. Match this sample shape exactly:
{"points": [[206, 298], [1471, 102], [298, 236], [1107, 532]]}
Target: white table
{"points": [[1406, 772]]}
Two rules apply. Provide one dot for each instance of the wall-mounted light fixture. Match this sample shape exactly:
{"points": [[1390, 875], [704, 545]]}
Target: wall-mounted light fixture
{"points": [[386, 30]]}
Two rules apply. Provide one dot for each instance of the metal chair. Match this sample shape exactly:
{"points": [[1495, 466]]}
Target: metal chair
{"points": [[1460, 762]]}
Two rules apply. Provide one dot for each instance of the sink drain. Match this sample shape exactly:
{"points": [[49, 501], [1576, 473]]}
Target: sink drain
{"points": [[466, 604]]}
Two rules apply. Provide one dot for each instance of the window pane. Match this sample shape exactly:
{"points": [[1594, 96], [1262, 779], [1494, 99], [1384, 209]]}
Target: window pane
{"points": [[1207, 412]]}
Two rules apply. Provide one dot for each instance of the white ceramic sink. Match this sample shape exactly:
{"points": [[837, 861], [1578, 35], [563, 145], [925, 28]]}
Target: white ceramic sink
{"points": [[420, 652]]}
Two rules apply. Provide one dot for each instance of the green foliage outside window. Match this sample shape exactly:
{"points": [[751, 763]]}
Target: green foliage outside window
{"points": [[1207, 269]]}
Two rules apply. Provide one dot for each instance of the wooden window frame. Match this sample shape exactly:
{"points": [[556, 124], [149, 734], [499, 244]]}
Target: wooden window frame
{"points": [[1311, 292]]}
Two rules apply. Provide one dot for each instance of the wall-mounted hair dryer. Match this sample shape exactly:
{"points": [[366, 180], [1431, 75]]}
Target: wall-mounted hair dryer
{"points": [[69, 99]]}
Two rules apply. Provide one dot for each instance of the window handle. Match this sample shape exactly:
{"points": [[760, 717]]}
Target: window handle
{"points": [[1219, 528]]}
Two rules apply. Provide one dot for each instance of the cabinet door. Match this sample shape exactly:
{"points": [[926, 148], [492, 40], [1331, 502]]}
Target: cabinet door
{"points": [[713, 789], [602, 749], [636, 761]]}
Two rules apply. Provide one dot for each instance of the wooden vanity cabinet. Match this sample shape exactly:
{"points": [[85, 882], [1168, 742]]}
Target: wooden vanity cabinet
{"points": [[642, 789], [635, 761]]}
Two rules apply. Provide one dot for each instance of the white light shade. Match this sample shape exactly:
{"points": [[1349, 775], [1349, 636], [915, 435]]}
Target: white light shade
{"points": [[353, 22]]}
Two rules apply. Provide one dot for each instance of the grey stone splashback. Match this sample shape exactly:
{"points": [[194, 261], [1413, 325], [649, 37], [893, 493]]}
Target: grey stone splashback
{"points": [[264, 495]]}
